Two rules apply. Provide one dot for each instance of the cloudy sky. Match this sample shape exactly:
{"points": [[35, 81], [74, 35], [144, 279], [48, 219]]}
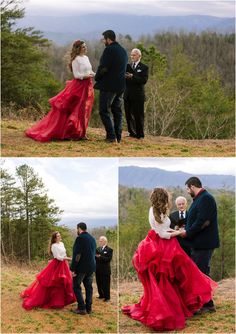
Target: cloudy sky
{"points": [[85, 188], [223, 166], [138, 7]]}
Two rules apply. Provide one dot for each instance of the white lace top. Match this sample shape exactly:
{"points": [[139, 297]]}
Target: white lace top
{"points": [[81, 67], [160, 229], [58, 251]]}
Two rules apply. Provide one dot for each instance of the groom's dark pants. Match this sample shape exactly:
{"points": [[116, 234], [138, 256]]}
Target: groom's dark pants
{"points": [[87, 279], [111, 101], [202, 258]]}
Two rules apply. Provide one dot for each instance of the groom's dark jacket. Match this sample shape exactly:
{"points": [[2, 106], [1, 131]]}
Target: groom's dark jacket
{"points": [[84, 250], [201, 226], [110, 75]]}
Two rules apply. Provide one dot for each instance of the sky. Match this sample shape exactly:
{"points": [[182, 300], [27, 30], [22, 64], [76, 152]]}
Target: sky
{"points": [[85, 188], [138, 7], [223, 166]]}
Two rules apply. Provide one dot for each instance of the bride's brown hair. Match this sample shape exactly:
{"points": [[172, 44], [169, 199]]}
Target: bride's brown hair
{"points": [[160, 203], [76, 49], [52, 241]]}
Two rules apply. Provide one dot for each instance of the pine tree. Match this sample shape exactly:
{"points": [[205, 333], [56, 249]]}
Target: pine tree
{"points": [[26, 79], [37, 212], [8, 197]]}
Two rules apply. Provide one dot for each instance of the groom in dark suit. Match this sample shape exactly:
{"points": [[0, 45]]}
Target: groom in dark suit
{"points": [[103, 269], [110, 81], [83, 266], [202, 229], [134, 96]]}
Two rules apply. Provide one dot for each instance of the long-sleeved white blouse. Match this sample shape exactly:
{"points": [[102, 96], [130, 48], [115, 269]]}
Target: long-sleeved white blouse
{"points": [[81, 67], [160, 229], [58, 251]]}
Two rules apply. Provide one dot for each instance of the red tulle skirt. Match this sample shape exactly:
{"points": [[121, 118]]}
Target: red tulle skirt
{"points": [[174, 287], [69, 115], [52, 287]]}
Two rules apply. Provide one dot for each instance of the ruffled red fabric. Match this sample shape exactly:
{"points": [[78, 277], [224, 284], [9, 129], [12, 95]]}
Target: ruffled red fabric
{"points": [[174, 287], [69, 115], [52, 287]]}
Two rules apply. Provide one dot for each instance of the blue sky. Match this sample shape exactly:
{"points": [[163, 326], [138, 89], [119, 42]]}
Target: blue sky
{"points": [[137, 7], [85, 188]]}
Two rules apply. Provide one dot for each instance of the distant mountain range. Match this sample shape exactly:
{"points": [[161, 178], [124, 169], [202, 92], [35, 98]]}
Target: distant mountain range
{"points": [[91, 223], [63, 30], [148, 178]]}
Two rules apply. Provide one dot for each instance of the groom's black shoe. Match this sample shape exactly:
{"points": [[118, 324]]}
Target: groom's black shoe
{"points": [[89, 310], [99, 297], [205, 309], [110, 140], [210, 309], [77, 311]]}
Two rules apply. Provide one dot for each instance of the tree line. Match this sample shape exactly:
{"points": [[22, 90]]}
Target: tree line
{"points": [[29, 216], [133, 227], [189, 94]]}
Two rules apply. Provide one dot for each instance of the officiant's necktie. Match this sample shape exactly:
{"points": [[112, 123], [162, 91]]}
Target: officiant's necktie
{"points": [[133, 66], [181, 215]]}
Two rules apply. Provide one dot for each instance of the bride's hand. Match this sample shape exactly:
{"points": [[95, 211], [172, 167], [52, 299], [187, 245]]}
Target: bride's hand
{"points": [[91, 75], [174, 233]]}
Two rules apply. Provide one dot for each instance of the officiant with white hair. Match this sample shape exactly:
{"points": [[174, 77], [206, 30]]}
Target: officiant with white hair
{"points": [[134, 95], [103, 269]]}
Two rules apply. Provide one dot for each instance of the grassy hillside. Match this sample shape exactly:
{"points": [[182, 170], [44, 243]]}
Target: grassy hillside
{"points": [[16, 144], [223, 321], [17, 320]]}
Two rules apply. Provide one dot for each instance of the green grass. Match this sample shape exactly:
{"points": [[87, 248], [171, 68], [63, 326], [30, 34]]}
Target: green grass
{"points": [[16, 144], [223, 321], [16, 320]]}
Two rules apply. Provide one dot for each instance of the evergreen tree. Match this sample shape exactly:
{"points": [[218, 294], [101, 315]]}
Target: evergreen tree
{"points": [[26, 79], [36, 212], [8, 198], [223, 261]]}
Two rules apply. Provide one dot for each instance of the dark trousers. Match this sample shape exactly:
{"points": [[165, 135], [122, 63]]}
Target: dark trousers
{"points": [[87, 279], [103, 283], [134, 113], [202, 258], [184, 246], [111, 101]]}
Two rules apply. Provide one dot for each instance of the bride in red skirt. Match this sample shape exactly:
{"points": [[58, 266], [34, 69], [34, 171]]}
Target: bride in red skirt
{"points": [[70, 109], [173, 286], [53, 285]]}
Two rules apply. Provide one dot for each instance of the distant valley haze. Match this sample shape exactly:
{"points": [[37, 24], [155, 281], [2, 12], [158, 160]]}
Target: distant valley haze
{"points": [[62, 30]]}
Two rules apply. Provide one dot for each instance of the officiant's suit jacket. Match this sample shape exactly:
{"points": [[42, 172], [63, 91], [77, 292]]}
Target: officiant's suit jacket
{"points": [[135, 86], [176, 220], [103, 263]]}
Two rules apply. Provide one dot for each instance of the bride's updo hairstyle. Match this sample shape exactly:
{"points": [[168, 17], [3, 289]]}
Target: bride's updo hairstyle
{"points": [[76, 49], [160, 203]]}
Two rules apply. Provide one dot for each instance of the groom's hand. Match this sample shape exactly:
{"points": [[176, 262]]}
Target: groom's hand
{"points": [[183, 233]]}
